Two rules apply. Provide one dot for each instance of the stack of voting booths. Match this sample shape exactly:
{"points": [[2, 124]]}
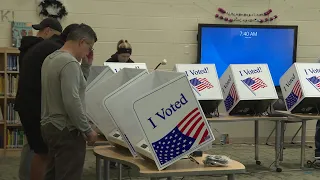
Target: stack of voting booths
{"points": [[155, 115], [300, 86]]}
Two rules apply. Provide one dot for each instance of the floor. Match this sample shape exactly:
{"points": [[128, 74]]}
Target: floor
{"points": [[241, 152]]}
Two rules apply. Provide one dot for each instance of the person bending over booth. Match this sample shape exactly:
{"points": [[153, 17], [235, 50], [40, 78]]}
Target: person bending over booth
{"points": [[124, 51]]}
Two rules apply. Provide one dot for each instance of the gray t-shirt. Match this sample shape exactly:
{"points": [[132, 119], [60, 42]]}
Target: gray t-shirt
{"points": [[63, 92]]}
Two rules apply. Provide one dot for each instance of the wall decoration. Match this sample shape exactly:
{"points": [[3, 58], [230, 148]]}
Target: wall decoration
{"points": [[52, 8], [20, 29], [245, 17]]}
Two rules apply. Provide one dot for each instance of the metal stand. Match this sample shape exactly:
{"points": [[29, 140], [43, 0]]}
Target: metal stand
{"points": [[303, 142], [277, 146], [119, 171], [98, 168], [256, 142], [106, 169]]}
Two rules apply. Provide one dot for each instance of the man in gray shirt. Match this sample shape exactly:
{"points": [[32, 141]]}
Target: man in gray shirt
{"points": [[65, 127]]}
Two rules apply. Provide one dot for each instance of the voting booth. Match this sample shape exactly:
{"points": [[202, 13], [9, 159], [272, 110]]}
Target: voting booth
{"points": [[163, 107], [247, 89], [101, 86], [205, 83], [94, 72], [117, 66], [300, 86]]}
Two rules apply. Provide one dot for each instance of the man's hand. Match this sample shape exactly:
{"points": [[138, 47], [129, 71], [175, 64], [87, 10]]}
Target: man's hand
{"points": [[88, 59], [91, 137]]}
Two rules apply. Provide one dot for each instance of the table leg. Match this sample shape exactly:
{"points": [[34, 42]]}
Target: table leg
{"points": [[106, 171], [231, 177], [119, 171], [98, 168], [277, 145], [282, 141], [256, 142], [303, 142]]}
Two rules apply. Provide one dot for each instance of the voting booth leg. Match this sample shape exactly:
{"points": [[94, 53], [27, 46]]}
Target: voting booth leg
{"points": [[106, 169], [282, 141], [256, 141], [98, 168], [231, 177], [277, 146], [303, 142], [119, 171]]}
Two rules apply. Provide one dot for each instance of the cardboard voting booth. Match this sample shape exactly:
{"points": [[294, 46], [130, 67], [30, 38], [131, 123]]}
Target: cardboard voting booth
{"points": [[300, 86], [103, 85], [163, 106], [94, 72], [247, 89], [205, 83], [116, 66]]}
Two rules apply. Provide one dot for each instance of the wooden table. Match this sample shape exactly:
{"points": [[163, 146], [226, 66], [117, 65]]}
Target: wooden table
{"points": [[304, 118], [147, 168], [227, 118]]}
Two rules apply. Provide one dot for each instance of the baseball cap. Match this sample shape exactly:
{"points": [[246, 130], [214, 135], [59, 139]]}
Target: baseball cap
{"points": [[48, 22]]}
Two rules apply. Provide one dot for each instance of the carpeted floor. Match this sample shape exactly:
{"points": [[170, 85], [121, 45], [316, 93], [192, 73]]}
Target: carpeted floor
{"points": [[243, 153]]}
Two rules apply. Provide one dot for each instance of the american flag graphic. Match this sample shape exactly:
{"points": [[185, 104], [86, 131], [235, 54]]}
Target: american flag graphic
{"points": [[190, 131], [231, 98], [254, 83], [294, 96], [201, 83], [315, 81]]}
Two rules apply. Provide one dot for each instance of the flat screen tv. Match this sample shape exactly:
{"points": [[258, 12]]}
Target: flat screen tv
{"points": [[224, 44]]}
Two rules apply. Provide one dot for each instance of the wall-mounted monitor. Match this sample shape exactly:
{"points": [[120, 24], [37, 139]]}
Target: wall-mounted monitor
{"points": [[224, 44]]}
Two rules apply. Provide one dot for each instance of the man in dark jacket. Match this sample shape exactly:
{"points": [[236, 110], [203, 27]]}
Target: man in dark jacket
{"points": [[28, 100], [46, 28]]}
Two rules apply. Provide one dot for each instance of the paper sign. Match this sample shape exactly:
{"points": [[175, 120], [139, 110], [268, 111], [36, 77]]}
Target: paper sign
{"points": [[172, 121], [116, 67], [203, 79]]}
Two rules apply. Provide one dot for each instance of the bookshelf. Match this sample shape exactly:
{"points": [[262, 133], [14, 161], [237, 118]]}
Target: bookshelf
{"points": [[11, 132]]}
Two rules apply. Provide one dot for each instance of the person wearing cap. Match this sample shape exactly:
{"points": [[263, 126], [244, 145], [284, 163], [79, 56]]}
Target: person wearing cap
{"points": [[28, 98], [124, 51], [46, 29]]}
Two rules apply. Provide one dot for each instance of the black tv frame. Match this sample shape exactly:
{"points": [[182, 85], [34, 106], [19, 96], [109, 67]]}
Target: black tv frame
{"points": [[294, 27]]}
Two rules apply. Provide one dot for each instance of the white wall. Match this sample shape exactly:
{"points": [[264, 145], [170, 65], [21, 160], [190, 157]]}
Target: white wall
{"points": [[160, 29]]}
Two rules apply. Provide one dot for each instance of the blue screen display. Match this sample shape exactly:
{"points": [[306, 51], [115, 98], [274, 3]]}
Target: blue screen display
{"points": [[223, 46]]}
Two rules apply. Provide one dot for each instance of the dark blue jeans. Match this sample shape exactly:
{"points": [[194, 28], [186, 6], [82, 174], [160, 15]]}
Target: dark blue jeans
{"points": [[317, 139]]}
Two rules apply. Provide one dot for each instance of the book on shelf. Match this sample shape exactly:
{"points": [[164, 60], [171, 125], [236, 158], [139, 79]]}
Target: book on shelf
{"points": [[12, 115], [2, 84], [20, 29], [12, 85], [12, 62], [15, 138]]}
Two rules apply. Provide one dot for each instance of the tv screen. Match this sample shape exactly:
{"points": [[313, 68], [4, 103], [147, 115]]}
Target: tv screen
{"points": [[223, 45]]}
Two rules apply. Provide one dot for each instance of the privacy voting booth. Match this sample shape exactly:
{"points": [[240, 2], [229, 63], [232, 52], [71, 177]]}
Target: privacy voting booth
{"points": [[94, 72], [101, 86], [116, 66], [247, 89], [300, 86], [205, 83], [160, 116]]}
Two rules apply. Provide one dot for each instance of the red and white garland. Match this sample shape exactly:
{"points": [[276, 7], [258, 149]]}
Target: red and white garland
{"points": [[236, 16]]}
